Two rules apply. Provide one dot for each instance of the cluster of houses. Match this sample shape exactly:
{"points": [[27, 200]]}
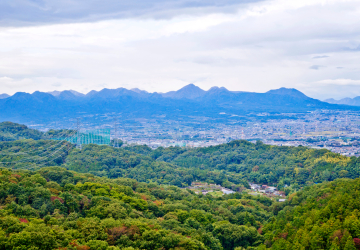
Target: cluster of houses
{"points": [[267, 190], [205, 188], [224, 190]]}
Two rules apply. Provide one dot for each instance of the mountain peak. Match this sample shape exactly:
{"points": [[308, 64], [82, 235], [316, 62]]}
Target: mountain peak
{"points": [[57, 93], [67, 95], [54, 93], [75, 92], [139, 91], [191, 87], [216, 89], [189, 91], [3, 96], [112, 93], [287, 91]]}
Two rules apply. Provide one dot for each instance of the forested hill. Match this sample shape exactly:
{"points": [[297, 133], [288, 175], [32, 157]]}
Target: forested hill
{"points": [[323, 216], [54, 196], [261, 163], [54, 208], [10, 131], [57, 209], [231, 165]]}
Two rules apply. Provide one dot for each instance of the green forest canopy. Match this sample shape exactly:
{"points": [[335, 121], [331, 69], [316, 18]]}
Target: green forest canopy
{"points": [[10, 131], [56, 208], [54, 196], [231, 165], [325, 216]]}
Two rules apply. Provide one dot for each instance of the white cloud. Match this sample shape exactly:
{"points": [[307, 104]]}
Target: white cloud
{"points": [[30, 12], [340, 82], [335, 88], [260, 46]]}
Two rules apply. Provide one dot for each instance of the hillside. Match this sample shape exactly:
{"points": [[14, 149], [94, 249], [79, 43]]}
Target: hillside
{"points": [[230, 165], [54, 196], [260, 163], [10, 131], [54, 208], [319, 217], [70, 209]]}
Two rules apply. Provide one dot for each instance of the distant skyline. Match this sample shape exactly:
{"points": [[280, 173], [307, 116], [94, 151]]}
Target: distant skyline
{"points": [[57, 92], [137, 90], [160, 46]]}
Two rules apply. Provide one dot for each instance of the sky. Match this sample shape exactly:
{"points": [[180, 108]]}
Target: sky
{"points": [[158, 45]]}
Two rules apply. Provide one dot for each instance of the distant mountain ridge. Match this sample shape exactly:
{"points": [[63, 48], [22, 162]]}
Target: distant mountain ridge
{"points": [[3, 96], [345, 101], [188, 92], [57, 93], [288, 91], [189, 101]]}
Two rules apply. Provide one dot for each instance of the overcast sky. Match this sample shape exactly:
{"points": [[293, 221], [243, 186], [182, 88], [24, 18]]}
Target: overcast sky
{"points": [[159, 45]]}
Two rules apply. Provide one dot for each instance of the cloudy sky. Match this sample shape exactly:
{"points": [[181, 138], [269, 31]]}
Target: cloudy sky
{"points": [[162, 45]]}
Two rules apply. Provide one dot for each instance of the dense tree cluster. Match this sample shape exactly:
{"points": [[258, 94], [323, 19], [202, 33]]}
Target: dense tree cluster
{"points": [[56, 208], [324, 216], [113, 163], [231, 165], [33, 154], [10, 131], [54, 196], [260, 163]]}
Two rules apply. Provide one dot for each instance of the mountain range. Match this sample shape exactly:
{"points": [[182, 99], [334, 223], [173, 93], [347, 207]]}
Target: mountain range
{"points": [[345, 101], [189, 101]]}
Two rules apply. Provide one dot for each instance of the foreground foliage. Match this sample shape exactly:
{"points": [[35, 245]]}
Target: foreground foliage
{"points": [[102, 197], [325, 216], [56, 208]]}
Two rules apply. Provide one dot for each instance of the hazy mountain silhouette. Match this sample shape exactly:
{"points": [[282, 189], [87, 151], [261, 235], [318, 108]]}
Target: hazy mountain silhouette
{"points": [[345, 101], [3, 96], [188, 92], [186, 102], [57, 93], [288, 92]]}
